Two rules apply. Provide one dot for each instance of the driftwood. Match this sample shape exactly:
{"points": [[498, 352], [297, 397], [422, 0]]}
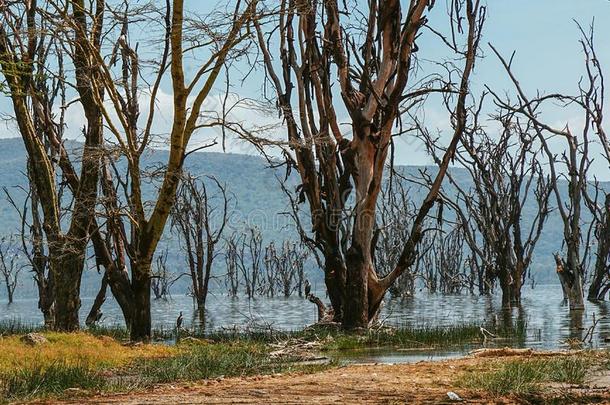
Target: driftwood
{"points": [[297, 350], [591, 329], [322, 311], [507, 352], [487, 334], [325, 315]]}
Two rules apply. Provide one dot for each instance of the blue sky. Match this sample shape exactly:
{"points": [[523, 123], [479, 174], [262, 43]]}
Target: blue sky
{"points": [[542, 32], [545, 36]]}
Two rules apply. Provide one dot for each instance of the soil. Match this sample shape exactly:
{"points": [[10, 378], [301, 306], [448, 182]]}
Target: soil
{"points": [[423, 382]]}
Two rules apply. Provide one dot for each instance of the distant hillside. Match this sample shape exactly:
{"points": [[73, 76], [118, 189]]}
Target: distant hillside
{"points": [[259, 200], [256, 195]]}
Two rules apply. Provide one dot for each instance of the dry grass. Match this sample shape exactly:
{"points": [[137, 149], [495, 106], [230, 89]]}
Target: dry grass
{"points": [[93, 364], [74, 349]]}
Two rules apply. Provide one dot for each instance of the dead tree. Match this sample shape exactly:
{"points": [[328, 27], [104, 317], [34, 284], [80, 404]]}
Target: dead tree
{"points": [[600, 280], [285, 267], [430, 276], [505, 174], [447, 263], [119, 74], [574, 161], [395, 213], [161, 277], [298, 256], [374, 64], [200, 219], [34, 247], [10, 266], [231, 255], [249, 261], [271, 269], [29, 46], [591, 99]]}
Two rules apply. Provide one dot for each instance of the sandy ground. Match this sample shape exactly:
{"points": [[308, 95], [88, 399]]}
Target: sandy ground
{"points": [[423, 382]]}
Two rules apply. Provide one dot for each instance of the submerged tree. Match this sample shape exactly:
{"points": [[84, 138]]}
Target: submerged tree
{"points": [[35, 249], [200, 217], [445, 263], [572, 166], [375, 65], [505, 174], [591, 100], [10, 266], [231, 256], [161, 277], [285, 268], [250, 260], [395, 212], [600, 278]]}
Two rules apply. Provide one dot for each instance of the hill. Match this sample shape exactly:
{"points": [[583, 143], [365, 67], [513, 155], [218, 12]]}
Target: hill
{"points": [[258, 200]]}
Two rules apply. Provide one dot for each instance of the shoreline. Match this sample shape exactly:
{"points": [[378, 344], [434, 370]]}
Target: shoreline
{"points": [[422, 382]]}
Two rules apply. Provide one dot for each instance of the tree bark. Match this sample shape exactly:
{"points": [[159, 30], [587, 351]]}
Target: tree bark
{"points": [[67, 266], [9, 291], [576, 293], [334, 279], [356, 297], [601, 276], [506, 292], [571, 280], [140, 328]]}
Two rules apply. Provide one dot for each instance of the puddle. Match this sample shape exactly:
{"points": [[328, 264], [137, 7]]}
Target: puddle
{"points": [[397, 356]]}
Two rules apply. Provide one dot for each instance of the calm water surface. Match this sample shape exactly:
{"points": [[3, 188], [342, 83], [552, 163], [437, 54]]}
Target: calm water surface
{"points": [[549, 322]]}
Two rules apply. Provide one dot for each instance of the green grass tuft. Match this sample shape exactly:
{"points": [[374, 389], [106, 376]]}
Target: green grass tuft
{"points": [[525, 377], [571, 370], [17, 327], [34, 382], [202, 361], [406, 337]]}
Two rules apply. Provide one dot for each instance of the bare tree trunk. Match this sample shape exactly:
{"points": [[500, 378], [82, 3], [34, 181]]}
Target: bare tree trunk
{"points": [[334, 279], [562, 277], [506, 292], [576, 293], [37, 257], [9, 289], [140, 328], [601, 276], [208, 273], [121, 291], [356, 300], [204, 286], [67, 268], [571, 280], [573, 270], [516, 289]]}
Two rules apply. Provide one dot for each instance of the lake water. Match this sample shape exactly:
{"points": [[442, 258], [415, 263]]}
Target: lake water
{"points": [[549, 322]]}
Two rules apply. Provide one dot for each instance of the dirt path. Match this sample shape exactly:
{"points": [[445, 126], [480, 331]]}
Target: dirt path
{"points": [[424, 382]]}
